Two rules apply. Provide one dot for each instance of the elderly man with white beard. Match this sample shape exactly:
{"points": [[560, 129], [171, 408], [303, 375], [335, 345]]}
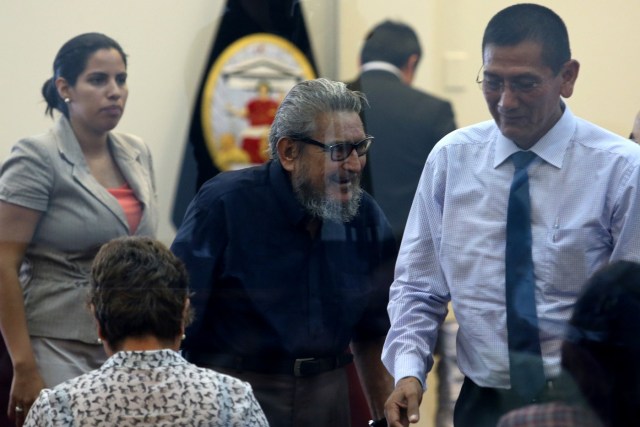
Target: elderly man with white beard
{"points": [[291, 264]]}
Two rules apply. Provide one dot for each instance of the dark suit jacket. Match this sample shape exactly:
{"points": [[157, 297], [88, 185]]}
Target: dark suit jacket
{"points": [[406, 124]]}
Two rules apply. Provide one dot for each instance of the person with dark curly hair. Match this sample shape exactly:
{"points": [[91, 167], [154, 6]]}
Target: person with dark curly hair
{"points": [[140, 300]]}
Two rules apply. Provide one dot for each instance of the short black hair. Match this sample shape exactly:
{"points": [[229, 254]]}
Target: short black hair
{"points": [[391, 42], [531, 22]]}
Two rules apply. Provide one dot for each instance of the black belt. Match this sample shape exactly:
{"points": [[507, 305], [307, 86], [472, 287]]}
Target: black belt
{"points": [[297, 367], [553, 389]]}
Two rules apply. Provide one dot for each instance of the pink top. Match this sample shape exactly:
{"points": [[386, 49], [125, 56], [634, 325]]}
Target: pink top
{"points": [[130, 205]]}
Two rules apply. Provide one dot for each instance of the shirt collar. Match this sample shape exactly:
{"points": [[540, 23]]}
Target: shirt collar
{"points": [[551, 147], [148, 358], [381, 65]]}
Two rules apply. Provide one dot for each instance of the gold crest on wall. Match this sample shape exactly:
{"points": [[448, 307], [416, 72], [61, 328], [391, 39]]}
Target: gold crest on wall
{"points": [[241, 96]]}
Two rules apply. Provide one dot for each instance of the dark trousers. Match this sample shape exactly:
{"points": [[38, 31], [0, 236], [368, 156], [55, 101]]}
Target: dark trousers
{"points": [[315, 401], [483, 406]]}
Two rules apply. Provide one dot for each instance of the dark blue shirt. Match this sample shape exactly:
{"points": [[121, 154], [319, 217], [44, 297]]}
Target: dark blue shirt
{"points": [[263, 286]]}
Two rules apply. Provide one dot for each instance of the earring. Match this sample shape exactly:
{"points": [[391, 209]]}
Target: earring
{"points": [[99, 341], [183, 337], [67, 100]]}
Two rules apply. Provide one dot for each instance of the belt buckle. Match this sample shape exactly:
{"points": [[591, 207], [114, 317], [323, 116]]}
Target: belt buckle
{"points": [[297, 365]]}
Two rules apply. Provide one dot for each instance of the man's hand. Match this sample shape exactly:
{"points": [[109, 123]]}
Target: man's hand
{"points": [[403, 405]]}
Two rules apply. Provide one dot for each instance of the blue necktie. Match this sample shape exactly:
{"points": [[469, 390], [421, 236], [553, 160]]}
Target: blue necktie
{"points": [[525, 360]]}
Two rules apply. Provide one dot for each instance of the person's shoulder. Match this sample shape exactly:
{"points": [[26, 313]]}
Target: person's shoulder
{"points": [[129, 138], [38, 142], [69, 388], [236, 182], [596, 138], [382, 84], [51, 139], [238, 179], [38, 150], [128, 141], [219, 380], [370, 211], [430, 98], [368, 203], [472, 137]]}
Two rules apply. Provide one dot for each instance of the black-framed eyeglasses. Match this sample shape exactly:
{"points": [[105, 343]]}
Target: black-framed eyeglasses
{"points": [[341, 150], [492, 85]]}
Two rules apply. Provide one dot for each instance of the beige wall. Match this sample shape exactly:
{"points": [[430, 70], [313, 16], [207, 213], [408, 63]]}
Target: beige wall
{"points": [[167, 42], [604, 38]]}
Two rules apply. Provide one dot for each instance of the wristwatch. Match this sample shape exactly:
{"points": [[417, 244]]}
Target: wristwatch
{"points": [[382, 422]]}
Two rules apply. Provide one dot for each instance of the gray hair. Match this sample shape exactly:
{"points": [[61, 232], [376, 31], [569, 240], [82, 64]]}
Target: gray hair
{"points": [[297, 114]]}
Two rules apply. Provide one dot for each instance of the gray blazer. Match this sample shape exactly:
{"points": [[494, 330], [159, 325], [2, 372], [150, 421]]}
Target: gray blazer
{"points": [[49, 173]]}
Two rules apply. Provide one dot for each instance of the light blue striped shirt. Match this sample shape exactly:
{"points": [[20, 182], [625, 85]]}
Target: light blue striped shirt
{"points": [[585, 213]]}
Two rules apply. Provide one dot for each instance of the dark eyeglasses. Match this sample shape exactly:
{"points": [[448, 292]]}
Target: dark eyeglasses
{"points": [[341, 150]]}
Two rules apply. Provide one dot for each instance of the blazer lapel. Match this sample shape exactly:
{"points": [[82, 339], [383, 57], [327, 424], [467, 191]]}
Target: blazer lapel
{"points": [[129, 160], [69, 149]]}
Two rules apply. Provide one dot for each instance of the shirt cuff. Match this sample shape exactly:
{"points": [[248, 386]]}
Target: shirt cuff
{"points": [[409, 366]]}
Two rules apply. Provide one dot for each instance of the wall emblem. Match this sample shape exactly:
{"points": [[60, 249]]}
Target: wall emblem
{"points": [[241, 95]]}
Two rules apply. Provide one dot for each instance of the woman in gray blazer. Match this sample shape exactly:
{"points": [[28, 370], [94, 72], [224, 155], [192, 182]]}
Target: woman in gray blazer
{"points": [[62, 195]]}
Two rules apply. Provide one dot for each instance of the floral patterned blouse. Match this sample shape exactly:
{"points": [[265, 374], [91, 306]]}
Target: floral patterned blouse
{"points": [[148, 388]]}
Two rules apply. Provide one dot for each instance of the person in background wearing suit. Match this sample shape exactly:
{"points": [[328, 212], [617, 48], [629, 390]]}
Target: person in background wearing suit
{"points": [[63, 194], [511, 217], [140, 300], [407, 123]]}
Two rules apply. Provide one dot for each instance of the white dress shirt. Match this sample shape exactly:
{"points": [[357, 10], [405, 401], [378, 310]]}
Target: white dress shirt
{"points": [[585, 213]]}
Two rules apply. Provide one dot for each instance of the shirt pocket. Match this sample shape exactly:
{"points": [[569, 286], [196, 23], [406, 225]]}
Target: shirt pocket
{"points": [[572, 255]]}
